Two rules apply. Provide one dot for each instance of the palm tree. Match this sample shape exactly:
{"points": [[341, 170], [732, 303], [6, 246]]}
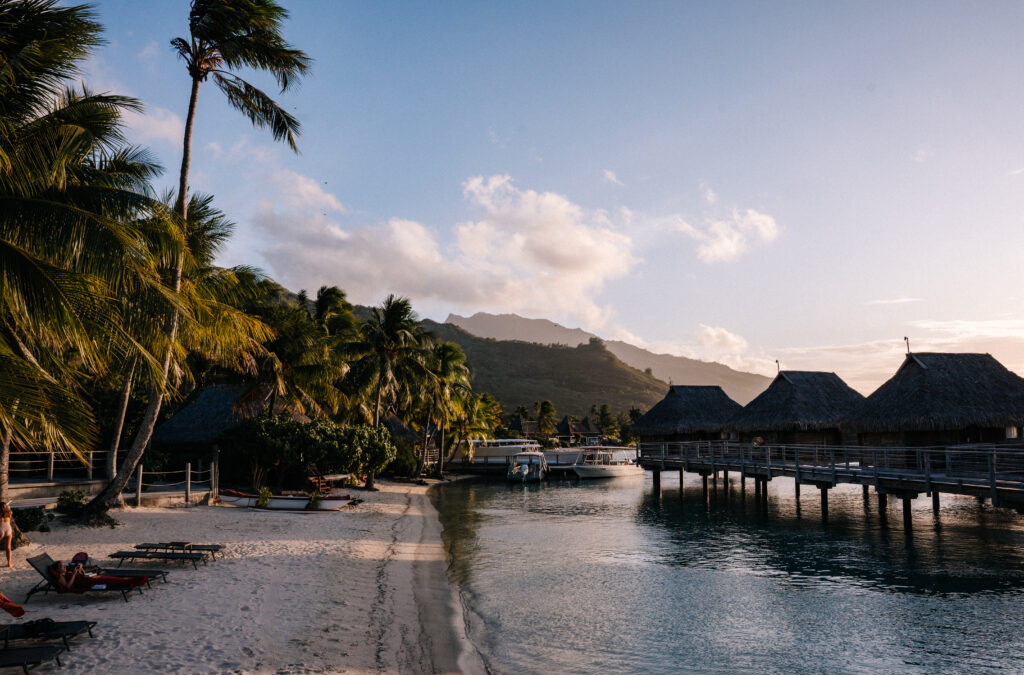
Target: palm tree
{"points": [[390, 352], [224, 35], [447, 377], [476, 416], [71, 195]]}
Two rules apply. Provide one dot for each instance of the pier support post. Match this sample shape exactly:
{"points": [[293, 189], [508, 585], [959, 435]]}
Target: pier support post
{"points": [[908, 519], [824, 504], [725, 480], [796, 489], [657, 481], [681, 472], [864, 488], [704, 486], [882, 502], [764, 491], [935, 502]]}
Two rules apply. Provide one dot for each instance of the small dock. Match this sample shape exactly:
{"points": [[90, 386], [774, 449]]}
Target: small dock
{"points": [[994, 472]]}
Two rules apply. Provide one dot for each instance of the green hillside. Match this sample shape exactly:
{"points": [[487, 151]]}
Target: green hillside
{"points": [[573, 378]]}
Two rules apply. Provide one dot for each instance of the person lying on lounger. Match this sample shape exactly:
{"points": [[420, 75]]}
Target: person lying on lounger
{"points": [[76, 580]]}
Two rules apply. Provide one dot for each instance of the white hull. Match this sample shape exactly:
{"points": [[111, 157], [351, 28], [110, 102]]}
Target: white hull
{"points": [[608, 470], [283, 503]]}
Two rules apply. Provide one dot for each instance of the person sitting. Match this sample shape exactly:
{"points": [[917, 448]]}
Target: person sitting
{"points": [[75, 580]]}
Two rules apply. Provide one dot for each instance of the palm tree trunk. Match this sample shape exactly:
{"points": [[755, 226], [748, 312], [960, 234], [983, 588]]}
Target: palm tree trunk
{"points": [[440, 454], [376, 408], [5, 462], [426, 440], [110, 496], [115, 442]]}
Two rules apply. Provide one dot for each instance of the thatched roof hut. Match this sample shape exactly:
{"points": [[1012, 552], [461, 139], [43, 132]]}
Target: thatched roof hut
{"points": [[523, 426], [212, 411], [799, 407], [572, 431], [687, 413], [941, 398]]}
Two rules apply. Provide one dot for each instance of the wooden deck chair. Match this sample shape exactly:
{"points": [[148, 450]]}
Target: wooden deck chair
{"points": [[57, 630], [42, 564]]}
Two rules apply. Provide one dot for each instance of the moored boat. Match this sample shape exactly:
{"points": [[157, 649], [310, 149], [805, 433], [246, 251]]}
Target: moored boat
{"points": [[283, 502], [598, 462], [526, 467]]}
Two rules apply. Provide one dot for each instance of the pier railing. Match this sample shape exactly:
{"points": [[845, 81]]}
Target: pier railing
{"points": [[957, 468]]}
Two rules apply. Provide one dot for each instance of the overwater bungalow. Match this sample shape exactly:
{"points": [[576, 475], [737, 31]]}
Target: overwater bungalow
{"points": [[687, 413], [943, 399], [799, 407]]}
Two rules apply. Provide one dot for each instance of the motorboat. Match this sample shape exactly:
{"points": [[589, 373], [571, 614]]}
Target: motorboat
{"points": [[525, 467], [601, 462]]}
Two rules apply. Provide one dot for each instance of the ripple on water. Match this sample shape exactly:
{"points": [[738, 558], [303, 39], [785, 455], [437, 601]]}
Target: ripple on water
{"points": [[580, 577]]}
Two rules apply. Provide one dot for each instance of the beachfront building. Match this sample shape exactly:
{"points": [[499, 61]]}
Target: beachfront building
{"points": [[800, 408], [573, 432], [525, 428], [944, 399], [687, 413], [193, 431]]}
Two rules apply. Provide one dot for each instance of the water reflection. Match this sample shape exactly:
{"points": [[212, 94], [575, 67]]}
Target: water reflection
{"points": [[609, 575]]}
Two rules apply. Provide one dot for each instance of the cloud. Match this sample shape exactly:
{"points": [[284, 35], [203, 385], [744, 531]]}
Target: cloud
{"points": [[709, 195], [150, 51], [525, 251], [154, 124], [893, 301], [610, 176], [725, 240]]}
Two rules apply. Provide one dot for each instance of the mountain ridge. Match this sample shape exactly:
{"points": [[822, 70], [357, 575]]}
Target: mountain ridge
{"points": [[741, 386]]}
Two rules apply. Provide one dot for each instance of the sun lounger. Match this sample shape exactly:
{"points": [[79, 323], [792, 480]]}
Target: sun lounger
{"points": [[188, 547], [121, 556], [129, 573], [60, 630], [42, 564], [29, 657]]}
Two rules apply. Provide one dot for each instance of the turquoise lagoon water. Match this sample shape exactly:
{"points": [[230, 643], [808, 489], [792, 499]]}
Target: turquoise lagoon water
{"points": [[605, 576]]}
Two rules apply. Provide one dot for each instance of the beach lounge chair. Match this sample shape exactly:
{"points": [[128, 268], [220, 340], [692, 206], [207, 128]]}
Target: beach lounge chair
{"points": [[29, 657], [58, 630], [42, 564], [121, 556], [188, 547]]}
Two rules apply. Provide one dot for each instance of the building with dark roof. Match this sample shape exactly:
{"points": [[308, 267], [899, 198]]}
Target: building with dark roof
{"points": [[687, 413], [799, 407], [524, 427], [943, 399], [572, 432]]}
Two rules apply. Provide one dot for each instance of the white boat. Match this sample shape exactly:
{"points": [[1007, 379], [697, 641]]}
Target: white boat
{"points": [[598, 462], [282, 502], [497, 451], [527, 466]]}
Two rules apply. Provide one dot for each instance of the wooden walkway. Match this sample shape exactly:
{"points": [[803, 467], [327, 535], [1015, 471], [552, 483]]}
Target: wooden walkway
{"points": [[994, 472]]}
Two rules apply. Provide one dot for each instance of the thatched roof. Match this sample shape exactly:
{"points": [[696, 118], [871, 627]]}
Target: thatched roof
{"points": [[524, 426], [212, 411], [934, 391], [799, 400], [570, 427], [688, 409]]}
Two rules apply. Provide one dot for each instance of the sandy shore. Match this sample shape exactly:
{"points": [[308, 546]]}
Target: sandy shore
{"points": [[357, 591]]}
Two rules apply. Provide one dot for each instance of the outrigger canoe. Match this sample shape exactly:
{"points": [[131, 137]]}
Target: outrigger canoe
{"points": [[283, 502]]}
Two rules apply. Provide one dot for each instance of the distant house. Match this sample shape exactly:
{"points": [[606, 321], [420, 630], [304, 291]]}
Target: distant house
{"points": [[194, 429], [944, 399], [687, 413], [799, 407], [571, 432], [524, 427]]}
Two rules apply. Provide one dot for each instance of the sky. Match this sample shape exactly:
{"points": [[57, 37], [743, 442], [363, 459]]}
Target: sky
{"points": [[742, 182]]}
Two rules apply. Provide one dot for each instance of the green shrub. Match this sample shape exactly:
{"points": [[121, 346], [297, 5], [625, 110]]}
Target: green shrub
{"points": [[263, 498], [316, 500], [71, 501], [404, 463], [30, 519]]}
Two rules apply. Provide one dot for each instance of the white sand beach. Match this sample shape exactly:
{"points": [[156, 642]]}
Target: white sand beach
{"points": [[359, 590]]}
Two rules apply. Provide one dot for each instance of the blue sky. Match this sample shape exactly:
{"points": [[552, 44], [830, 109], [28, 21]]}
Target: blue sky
{"points": [[742, 182]]}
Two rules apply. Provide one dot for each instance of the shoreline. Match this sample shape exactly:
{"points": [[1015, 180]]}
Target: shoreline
{"points": [[363, 590]]}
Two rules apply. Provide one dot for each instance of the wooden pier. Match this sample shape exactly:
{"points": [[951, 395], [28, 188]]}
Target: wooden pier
{"points": [[994, 472]]}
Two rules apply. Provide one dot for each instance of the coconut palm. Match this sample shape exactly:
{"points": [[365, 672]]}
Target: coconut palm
{"points": [[447, 379], [224, 36], [71, 194], [389, 351]]}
